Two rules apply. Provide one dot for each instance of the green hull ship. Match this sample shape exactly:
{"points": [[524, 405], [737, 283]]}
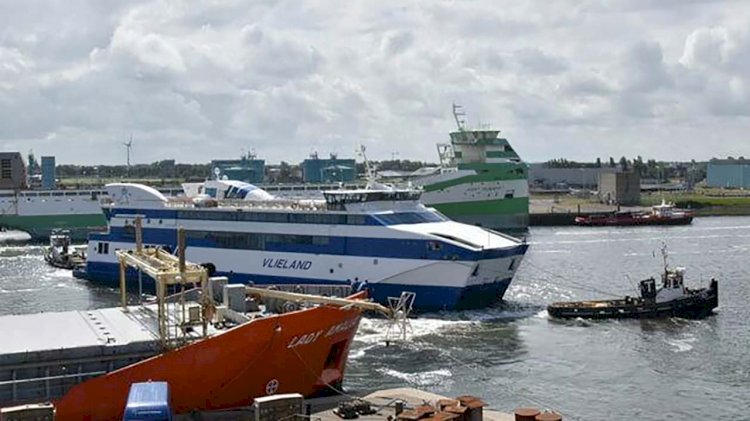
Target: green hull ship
{"points": [[481, 180], [40, 212]]}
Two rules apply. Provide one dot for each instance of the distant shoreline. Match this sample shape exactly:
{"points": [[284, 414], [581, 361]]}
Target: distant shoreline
{"points": [[546, 210]]}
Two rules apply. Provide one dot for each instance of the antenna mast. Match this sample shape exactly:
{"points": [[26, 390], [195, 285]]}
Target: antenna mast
{"points": [[460, 116], [664, 256], [369, 168]]}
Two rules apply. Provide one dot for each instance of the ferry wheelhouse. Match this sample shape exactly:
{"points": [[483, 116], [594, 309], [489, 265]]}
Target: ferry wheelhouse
{"points": [[382, 239]]}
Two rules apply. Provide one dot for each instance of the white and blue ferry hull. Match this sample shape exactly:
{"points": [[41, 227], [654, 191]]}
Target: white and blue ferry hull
{"points": [[438, 284]]}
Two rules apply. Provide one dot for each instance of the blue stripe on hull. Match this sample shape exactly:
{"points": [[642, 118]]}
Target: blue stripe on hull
{"points": [[341, 246], [428, 298], [435, 298]]}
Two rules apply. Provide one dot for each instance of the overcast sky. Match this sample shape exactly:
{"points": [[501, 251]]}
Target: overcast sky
{"points": [[195, 80]]}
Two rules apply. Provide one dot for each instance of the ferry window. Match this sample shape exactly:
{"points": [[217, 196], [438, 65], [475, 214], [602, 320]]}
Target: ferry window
{"points": [[254, 241], [512, 264], [197, 235], [320, 218], [509, 194], [297, 218], [289, 239], [434, 246], [128, 231], [338, 219], [458, 240], [274, 217], [106, 248], [320, 240], [355, 220], [409, 218]]}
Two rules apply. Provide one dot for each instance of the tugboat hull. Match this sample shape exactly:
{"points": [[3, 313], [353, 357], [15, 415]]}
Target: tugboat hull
{"points": [[630, 220], [698, 304]]}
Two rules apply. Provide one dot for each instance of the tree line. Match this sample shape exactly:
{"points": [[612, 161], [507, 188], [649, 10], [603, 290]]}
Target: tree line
{"points": [[169, 170], [648, 169]]}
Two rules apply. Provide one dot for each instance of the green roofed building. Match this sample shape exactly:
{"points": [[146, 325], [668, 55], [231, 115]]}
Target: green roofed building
{"points": [[331, 170], [248, 169], [729, 173]]}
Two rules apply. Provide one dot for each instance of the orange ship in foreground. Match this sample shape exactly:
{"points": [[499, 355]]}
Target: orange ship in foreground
{"points": [[213, 355], [303, 351]]}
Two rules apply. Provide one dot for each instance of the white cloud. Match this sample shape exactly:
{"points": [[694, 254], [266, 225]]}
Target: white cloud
{"points": [[198, 80]]}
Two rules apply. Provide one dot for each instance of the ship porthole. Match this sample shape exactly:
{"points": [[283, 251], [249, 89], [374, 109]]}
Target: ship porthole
{"points": [[272, 386]]}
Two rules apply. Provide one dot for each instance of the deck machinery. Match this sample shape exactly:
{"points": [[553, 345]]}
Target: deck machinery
{"points": [[43, 356]]}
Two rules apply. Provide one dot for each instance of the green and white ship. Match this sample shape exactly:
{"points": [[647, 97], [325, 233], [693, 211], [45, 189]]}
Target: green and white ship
{"points": [[481, 180], [39, 212]]}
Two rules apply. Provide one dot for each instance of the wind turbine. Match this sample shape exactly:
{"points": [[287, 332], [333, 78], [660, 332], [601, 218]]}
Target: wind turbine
{"points": [[129, 146]]}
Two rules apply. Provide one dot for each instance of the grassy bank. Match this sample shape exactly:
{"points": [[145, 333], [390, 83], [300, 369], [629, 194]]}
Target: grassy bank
{"points": [[703, 204]]}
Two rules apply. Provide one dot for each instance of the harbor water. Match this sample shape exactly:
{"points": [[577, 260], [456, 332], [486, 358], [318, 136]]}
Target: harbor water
{"points": [[513, 354]]}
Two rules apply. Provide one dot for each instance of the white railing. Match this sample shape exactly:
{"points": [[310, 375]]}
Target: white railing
{"points": [[279, 204]]}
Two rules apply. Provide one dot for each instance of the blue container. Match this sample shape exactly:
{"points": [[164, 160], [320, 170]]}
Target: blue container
{"points": [[148, 402]]}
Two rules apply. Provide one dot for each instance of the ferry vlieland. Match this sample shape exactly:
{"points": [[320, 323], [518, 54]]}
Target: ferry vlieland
{"points": [[379, 238]]}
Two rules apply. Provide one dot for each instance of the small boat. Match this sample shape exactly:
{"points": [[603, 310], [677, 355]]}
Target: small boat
{"points": [[61, 254], [672, 299], [663, 214]]}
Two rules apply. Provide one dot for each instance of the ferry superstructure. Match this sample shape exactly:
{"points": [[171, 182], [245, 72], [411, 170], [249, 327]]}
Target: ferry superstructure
{"points": [[382, 239], [481, 180]]}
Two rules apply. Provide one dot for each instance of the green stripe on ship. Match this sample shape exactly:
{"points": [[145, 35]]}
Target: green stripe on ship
{"points": [[515, 205], [46, 222], [483, 176]]}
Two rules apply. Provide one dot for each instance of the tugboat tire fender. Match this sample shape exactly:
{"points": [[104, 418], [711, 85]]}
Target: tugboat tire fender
{"points": [[210, 268]]}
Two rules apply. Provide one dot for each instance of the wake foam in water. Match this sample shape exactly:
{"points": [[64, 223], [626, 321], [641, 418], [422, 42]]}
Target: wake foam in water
{"points": [[683, 344], [373, 330], [422, 378], [14, 237]]}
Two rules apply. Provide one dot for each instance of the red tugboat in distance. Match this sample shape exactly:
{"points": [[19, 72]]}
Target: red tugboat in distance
{"points": [[663, 214]]}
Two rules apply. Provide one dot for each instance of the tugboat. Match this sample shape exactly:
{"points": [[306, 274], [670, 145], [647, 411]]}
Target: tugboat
{"points": [[672, 299], [61, 254], [663, 214]]}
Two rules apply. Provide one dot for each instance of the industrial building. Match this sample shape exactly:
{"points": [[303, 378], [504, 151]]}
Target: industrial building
{"points": [[248, 169], [331, 170], [12, 171], [620, 188], [540, 175], [728, 173], [49, 173]]}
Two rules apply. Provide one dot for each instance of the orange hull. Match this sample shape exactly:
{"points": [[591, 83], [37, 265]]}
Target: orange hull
{"points": [[300, 352]]}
